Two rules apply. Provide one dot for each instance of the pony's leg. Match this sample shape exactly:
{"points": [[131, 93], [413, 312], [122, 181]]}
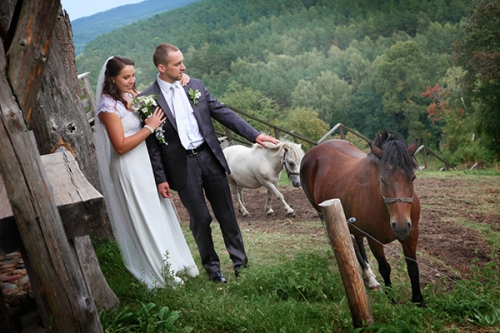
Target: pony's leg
{"points": [[368, 275], [239, 196], [271, 189], [410, 252], [269, 210]]}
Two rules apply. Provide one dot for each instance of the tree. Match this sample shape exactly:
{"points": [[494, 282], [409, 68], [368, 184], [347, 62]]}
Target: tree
{"points": [[478, 52], [400, 78], [252, 102], [328, 95], [307, 123]]}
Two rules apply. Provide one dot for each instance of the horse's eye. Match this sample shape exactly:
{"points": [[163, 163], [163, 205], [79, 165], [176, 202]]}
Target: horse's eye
{"points": [[292, 164]]}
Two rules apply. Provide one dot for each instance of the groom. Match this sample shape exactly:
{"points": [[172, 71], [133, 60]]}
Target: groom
{"points": [[191, 160]]}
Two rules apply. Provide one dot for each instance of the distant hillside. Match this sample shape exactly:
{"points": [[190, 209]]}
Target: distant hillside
{"points": [[363, 63], [87, 28]]}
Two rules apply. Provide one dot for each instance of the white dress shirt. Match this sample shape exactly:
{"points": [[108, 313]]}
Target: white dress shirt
{"points": [[186, 115]]}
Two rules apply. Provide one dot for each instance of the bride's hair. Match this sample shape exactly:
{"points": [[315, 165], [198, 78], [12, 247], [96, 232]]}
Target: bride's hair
{"points": [[113, 68]]}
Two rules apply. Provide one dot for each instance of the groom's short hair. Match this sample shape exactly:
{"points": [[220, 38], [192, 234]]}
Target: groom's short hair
{"points": [[160, 55]]}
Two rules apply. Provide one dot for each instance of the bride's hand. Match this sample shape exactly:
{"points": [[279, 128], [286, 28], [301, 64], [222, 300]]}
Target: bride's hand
{"points": [[157, 118], [185, 79]]}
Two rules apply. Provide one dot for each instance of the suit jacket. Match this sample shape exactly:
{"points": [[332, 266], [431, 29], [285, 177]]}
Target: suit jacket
{"points": [[169, 160]]}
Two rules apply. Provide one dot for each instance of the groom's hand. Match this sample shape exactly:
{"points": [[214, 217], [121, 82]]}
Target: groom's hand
{"points": [[164, 190], [262, 138]]}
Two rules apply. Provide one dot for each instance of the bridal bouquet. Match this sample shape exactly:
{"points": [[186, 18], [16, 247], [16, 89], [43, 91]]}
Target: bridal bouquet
{"points": [[145, 106]]}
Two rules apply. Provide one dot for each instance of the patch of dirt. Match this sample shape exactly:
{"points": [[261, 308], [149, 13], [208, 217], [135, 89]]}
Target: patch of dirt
{"points": [[445, 246]]}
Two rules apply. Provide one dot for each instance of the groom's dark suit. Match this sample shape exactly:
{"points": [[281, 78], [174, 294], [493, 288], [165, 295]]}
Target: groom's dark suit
{"points": [[193, 175]]}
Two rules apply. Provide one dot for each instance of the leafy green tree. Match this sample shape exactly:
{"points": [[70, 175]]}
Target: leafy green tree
{"points": [[367, 112], [328, 95], [478, 52], [252, 102], [400, 78], [461, 144], [306, 123]]}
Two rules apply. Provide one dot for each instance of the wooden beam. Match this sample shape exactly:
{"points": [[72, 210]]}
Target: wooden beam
{"points": [[78, 203]]}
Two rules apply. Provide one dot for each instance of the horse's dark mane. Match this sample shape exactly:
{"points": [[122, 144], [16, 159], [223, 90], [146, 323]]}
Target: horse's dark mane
{"points": [[395, 153]]}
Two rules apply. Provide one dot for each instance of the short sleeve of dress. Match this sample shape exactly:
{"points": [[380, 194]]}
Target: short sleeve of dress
{"points": [[108, 104]]}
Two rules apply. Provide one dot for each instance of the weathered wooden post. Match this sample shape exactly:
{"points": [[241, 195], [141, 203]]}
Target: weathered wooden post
{"points": [[22, 58], [341, 242]]}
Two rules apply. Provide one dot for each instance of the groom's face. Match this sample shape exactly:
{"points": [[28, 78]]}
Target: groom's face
{"points": [[172, 71]]}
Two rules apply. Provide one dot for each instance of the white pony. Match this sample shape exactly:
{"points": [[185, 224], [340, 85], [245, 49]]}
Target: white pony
{"points": [[256, 166]]}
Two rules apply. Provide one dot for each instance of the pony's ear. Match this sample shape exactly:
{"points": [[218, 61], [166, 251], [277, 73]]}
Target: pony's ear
{"points": [[376, 151], [286, 148], [412, 148]]}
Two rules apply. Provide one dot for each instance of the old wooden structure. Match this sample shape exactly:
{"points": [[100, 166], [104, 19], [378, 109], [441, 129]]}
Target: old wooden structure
{"points": [[40, 113]]}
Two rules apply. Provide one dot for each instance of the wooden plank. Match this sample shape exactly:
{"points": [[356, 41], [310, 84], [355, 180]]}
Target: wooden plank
{"points": [[78, 202]]}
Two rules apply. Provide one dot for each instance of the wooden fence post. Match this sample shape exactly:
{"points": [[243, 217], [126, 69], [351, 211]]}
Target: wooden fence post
{"points": [[341, 242]]}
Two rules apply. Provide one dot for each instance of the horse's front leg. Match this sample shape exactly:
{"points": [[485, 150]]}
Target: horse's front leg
{"points": [[272, 190], [410, 252], [368, 276], [383, 266]]}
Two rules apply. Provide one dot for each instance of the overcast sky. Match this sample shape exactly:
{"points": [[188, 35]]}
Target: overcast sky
{"points": [[82, 8]]}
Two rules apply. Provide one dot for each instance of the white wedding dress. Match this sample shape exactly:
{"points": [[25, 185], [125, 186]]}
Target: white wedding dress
{"points": [[145, 225]]}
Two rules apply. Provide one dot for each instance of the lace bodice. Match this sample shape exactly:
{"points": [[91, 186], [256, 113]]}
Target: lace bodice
{"points": [[130, 120]]}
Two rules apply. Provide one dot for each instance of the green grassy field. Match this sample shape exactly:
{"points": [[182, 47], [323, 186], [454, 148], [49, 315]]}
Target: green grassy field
{"points": [[293, 285]]}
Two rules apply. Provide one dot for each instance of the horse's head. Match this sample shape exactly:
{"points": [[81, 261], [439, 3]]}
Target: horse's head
{"points": [[396, 174], [292, 157]]}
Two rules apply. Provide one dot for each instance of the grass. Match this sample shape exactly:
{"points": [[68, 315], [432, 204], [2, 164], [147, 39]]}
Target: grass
{"points": [[293, 285]]}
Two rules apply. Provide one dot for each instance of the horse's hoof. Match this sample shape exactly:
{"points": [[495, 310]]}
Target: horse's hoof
{"points": [[246, 215], [291, 214], [270, 213], [377, 288]]}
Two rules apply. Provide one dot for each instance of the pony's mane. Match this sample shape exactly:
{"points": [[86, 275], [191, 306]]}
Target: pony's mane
{"points": [[395, 153], [296, 148]]}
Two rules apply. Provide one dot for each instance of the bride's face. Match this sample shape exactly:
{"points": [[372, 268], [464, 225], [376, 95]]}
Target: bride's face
{"points": [[125, 80]]}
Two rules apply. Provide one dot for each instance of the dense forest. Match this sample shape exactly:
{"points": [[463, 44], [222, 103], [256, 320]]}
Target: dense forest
{"points": [[307, 65], [87, 28]]}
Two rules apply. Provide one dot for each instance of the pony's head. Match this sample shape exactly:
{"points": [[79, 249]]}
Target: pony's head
{"points": [[292, 157], [396, 174]]}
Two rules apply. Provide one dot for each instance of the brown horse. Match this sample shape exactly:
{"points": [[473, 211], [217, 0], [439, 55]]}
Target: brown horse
{"points": [[377, 190]]}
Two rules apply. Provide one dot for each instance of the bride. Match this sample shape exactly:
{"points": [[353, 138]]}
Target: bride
{"points": [[145, 226]]}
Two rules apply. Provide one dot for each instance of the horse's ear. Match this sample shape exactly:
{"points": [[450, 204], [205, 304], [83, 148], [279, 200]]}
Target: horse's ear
{"points": [[376, 151], [412, 148], [286, 148]]}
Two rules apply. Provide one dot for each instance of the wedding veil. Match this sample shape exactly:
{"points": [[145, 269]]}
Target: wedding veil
{"points": [[103, 152]]}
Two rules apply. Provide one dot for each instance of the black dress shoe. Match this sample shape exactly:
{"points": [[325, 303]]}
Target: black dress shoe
{"points": [[217, 277], [238, 269]]}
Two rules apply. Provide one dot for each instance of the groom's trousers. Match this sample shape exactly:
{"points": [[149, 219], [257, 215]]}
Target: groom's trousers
{"points": [[207, 177]]}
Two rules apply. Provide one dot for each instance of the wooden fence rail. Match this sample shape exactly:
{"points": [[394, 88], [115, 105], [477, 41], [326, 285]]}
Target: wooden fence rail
{"points": [[276, 130]]}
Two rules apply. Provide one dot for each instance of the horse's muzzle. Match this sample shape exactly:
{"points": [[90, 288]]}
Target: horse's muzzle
{"points": [[402, 230]]}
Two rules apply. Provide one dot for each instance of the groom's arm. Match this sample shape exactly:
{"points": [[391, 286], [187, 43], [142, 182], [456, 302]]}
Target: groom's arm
{"points": [[156, 160], [226, 116]]}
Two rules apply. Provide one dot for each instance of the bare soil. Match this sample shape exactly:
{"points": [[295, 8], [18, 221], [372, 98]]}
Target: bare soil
{"points": [[445, 246]]}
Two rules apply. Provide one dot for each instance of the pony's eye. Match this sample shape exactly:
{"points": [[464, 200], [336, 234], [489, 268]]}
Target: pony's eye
{"points": [[291, 164]]}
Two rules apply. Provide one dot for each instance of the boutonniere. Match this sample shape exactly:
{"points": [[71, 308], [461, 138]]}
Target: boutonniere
{"points": [[145, 106], [194, 95]]}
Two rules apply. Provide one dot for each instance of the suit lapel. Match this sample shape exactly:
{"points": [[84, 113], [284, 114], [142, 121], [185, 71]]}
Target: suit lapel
{"points": [[195, 108], [162, 102]]}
